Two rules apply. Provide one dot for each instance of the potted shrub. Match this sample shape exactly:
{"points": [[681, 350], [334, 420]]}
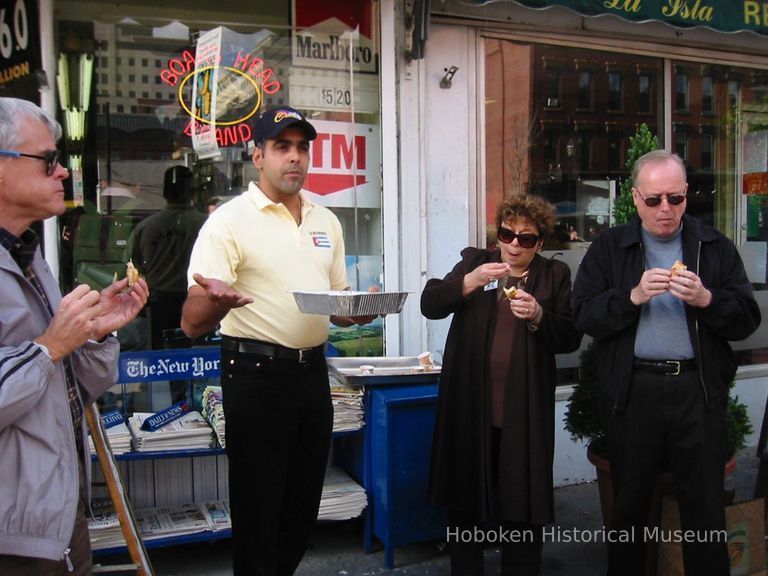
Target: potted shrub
{"points": [[642, 142], [582, 420]]}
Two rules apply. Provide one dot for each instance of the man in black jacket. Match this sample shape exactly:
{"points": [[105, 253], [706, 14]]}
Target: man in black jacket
{"points": [[664, 361]]}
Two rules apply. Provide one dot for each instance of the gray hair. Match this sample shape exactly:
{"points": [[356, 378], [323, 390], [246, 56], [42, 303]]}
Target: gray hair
{"points": [[657, 157], [13, 111]]}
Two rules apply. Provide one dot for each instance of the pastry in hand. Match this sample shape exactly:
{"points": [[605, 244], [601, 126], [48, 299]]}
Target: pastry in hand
{"points": [[132, 273], [510, 292], [677, 266]]}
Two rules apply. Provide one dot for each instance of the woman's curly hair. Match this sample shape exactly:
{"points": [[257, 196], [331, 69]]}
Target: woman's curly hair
{"points": [[534, 208]]}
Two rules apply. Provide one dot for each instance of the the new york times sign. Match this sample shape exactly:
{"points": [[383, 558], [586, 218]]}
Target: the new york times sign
{"points": [[184, 364]]}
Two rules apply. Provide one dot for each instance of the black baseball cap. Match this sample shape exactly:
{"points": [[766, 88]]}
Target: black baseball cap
{"points": [[272, 122]]}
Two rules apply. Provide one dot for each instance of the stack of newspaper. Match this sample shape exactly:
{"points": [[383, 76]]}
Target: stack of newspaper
{"points": [[342, 497], [217, 514], [104, 526], [213, 410], [171, 521], [189, 432], [119, 439], [165, 522], [347, 407]]}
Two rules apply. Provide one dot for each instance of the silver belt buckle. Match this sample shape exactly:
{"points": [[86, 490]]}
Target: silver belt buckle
{"points": [[302, 353], [678, 366]]}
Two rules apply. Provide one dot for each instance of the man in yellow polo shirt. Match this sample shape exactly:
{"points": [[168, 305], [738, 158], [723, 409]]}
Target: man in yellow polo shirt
{"points": [[249, 255]]}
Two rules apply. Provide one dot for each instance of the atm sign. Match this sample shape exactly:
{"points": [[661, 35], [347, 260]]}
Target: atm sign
{"points": [[345, 160]]}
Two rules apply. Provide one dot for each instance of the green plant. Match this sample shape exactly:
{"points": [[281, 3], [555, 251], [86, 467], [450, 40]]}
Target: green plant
{"points": [[739, 425], [582, 416], [641, 143]]}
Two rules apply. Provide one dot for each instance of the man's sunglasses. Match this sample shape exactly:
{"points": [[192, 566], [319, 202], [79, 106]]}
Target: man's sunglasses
{"points": [[51, 158], [654, 201], [526, 239]]}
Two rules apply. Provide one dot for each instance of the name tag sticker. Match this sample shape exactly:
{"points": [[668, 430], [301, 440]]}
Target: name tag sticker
{"points": [[492, 285], [320, 240]]}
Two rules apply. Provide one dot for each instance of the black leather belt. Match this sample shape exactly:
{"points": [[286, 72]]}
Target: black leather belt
{"points": [[666, 367], [274, 351]]}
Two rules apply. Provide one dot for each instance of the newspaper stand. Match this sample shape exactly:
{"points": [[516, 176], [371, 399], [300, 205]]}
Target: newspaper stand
{"points": [[150, 367], [388, 456], [192, 365]]}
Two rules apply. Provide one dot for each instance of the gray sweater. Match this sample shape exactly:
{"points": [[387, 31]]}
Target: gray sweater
{"points": [[662, 333]]}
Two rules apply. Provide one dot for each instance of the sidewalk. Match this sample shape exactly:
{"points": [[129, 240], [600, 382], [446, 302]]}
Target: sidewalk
{"points": [[337, 549]]}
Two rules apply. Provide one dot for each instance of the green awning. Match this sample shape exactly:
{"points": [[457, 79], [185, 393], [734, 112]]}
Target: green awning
{"points": [[720, 15]]}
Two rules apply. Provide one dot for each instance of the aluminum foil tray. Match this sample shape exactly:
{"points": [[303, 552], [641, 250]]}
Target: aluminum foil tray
{"points": [[348, 303]]}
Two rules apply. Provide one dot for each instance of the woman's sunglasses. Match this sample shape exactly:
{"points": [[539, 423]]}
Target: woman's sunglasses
{"points": [[526, 239], [51, 158], [654, 201]]}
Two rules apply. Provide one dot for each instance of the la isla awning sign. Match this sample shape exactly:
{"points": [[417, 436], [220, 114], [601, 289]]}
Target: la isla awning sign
{"points": [[730, 16]]}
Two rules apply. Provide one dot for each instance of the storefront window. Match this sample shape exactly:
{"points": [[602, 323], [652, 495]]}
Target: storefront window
{"points": [[576, 156], [573, 153], [705, 134], [156, 87], [750, 120]]}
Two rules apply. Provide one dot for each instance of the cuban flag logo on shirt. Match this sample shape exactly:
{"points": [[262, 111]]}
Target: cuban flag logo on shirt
{"points": [[320, 239]]}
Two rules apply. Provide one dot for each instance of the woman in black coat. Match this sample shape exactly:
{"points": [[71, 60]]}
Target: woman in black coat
{"points": [[494, 436]]}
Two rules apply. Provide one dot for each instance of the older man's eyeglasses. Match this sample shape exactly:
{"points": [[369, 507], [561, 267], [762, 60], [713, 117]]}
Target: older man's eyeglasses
{"points": [[654, 201], [526, 239], [51, 158]]}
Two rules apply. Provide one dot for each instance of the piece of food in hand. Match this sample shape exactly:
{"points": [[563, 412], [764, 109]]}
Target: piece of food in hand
{"points": [[677, 266], [132, 273], [510, 292]]}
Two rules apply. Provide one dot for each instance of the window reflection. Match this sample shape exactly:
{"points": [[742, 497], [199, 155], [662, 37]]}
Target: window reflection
{"points": [[558, 122], [573, 147], [615, 96], [574, 152], [160, 247], [644, 94], [681, 93], [585, 90], [708, 94], [140, 125], [681, 145]]}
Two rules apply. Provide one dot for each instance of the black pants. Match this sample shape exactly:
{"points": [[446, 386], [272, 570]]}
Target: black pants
{"points": [[521, 545], [521, 557], [279, 420], [666, 420]]}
